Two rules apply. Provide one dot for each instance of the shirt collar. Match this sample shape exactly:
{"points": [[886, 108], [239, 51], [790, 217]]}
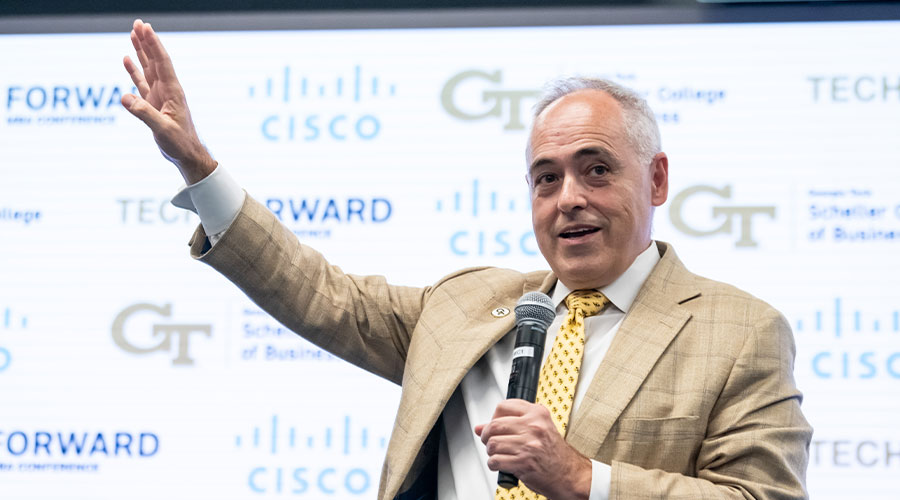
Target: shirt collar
{"points": [[625, 288]]}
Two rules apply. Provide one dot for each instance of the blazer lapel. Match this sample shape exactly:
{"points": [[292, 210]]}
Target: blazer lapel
{"points": [[480, 333], [654, 320], [461, 346]]}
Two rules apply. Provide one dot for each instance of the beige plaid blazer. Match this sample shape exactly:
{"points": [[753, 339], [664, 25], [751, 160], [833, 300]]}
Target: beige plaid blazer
{"points": [[694, 399]]}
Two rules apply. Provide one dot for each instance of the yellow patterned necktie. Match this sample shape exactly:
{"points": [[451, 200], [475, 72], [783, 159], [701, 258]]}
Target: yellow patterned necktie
{"points": [[559, 374]]}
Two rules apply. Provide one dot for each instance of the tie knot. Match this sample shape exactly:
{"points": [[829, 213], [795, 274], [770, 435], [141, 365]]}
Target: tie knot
{"points": [[589, 302]]}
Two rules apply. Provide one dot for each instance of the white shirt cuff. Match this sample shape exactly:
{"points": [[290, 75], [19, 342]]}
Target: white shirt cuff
{"points": [[601, 477], [217, 199]]}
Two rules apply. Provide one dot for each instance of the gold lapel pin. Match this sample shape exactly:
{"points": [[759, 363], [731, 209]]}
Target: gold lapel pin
{"points": [[500, 312]]}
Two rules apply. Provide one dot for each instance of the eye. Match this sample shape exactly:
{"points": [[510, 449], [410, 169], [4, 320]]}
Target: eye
{"points": [[599, 170], [545, 178]]}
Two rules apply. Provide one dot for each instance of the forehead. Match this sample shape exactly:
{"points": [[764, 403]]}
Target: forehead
{"points": [[583, 119]]}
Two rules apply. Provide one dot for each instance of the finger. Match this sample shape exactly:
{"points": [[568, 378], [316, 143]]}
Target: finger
{"points": [[158, 55], [512, 407], [143, 111], [138, 27], [136, 42], [136, 36], [139, 50], [478, 429], [506, 445], [137, 77], [502, 426], [149, 71], [506, 463]]}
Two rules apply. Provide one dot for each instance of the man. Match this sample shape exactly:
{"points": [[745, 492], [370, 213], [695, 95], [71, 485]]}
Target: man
{"points": [[681, 388]]}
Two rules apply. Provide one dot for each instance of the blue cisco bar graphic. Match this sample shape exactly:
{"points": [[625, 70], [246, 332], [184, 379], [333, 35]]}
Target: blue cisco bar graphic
{"points": [[276, 438], [356, 86], [9, 321], [480, 201], [848, 322]]}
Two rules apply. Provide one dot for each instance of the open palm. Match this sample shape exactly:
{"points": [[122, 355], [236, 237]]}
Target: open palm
{"points": [[162, 105]]}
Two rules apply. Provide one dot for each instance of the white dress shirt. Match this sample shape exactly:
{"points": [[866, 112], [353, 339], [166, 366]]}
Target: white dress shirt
{"points": [[462, 461]]}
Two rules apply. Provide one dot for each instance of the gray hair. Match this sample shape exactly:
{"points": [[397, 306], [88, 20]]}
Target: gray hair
{"points": [[640, 122]]}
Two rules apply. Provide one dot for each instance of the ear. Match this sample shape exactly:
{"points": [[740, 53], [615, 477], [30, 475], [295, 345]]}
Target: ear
{"points": [[659, 179]]}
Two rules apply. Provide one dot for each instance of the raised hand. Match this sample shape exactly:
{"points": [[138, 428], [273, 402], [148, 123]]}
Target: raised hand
{"points": [[163, 107]]}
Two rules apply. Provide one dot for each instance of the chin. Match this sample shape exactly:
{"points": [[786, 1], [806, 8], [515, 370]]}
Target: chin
{"points": [[587, 275], [581, 280]]}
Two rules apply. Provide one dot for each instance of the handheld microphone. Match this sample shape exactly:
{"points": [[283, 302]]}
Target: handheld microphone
{"points": [[534, 313]]}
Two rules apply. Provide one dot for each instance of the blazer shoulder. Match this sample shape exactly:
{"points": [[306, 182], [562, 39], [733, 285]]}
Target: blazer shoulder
{"points": [[705, 296], [727, 297], [475, 288], [496, 279]]}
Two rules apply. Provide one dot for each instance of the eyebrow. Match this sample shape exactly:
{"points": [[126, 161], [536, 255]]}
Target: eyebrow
{"points": [[588, 152]]}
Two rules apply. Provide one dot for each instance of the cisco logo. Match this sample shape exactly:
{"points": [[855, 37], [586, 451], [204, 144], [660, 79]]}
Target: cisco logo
{"points": [[859, 342], [290, 95], [478, 209], [10, 320], [325, 461]]}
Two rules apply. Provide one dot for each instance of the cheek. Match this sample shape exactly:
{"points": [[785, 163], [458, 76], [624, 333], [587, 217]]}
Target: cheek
{"points": [[542, 213], [635, 221], [626, 204], [542, 222]]}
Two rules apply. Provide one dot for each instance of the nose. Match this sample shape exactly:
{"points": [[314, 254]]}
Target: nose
{"points": [[571, 195]]}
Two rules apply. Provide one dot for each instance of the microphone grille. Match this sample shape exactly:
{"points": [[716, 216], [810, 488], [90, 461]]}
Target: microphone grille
{"points": [[535, 306]]}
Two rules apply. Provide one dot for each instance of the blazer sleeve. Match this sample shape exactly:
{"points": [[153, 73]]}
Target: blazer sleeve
{"points": [[757, 440], [361, 319]]}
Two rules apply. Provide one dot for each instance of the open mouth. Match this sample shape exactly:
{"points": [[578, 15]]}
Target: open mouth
{"points": [[578, 232]]}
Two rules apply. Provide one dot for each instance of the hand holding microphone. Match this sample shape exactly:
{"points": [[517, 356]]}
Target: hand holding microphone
{"points": [[534, 313]]}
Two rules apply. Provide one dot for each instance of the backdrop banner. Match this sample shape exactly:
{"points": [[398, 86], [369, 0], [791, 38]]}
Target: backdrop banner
{"points": [[127, 370]]}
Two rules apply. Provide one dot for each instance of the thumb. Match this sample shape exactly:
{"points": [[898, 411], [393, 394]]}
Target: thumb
{"points": [[143, 111]]}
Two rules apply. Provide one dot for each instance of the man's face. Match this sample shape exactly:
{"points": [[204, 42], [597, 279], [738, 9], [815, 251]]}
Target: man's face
{"points": [[592, 198]]}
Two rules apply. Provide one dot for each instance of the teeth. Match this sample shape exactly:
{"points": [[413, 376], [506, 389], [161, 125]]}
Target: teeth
{"points": [[580, 232]]}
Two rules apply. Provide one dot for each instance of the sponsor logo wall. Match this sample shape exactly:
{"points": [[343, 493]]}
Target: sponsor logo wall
{"points": [[121, 359]]}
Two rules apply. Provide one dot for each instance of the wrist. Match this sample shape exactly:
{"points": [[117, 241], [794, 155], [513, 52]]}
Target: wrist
{"points": [[582, 475], [196, 170], [578, 485]]}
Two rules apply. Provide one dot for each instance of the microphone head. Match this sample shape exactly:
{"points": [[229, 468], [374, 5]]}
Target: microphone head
{"points": [[535, 306]]}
